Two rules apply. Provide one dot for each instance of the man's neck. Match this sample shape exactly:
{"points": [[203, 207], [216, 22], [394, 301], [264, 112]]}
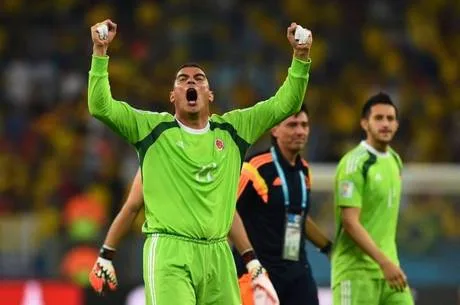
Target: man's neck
{"points": [[289, 155], [193, 121], [378, 146]]}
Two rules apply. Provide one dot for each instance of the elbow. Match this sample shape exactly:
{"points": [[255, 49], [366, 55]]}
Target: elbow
{"points": [[94, 110], [133, 209], [296, 106], [348, 225]]}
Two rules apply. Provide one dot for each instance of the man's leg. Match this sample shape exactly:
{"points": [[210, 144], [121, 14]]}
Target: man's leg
{"points": [[357, 292], [167, 275], [220, 285], [393, 297]]}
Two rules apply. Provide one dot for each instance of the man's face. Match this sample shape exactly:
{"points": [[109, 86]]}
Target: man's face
{"points": [[191, 93], [292, 133], [382, 124]]}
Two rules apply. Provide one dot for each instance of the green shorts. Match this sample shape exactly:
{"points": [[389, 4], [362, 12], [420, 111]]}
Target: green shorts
{"points": [[184, 271], [369, 292]]}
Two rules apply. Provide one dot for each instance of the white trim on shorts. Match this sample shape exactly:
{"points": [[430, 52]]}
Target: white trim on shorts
{"points": [[345, 292], [151, 268]]}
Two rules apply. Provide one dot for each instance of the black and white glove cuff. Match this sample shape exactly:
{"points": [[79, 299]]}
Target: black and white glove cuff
{"points": [[107, 252]]}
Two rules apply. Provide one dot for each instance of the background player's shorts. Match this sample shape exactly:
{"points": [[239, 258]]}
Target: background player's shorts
{"points": [[369, 292], [183, 271]]}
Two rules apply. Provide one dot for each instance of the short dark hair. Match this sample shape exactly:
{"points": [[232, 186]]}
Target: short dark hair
{"points": [[189, 64], [303, 108], [379, 98]]}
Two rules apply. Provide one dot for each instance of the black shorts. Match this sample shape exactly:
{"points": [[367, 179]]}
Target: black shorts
{"points": [[294, 286]]}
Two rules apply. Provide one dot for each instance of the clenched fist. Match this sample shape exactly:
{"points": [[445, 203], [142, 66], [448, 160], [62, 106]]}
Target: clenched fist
{"points": [[100, 40], [301, 50]]}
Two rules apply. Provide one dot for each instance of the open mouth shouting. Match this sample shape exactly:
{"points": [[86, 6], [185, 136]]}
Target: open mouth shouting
{"points": [[191, 96]]}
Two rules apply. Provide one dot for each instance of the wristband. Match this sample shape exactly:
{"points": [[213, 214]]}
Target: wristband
{"points": [[107, 252], [248, 256]]}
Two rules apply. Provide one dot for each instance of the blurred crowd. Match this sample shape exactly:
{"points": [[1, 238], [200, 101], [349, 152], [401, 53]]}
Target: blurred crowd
{"points": [[54, 158]]}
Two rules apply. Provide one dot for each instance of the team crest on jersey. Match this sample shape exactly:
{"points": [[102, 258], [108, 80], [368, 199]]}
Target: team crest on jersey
{"points": [[219, 144]]}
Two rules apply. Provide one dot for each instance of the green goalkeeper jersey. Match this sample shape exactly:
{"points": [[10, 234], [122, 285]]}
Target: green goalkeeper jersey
{"points": [[190, 176], [371, 181]]}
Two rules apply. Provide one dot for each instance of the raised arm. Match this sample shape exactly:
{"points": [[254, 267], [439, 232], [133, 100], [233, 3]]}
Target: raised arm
{"points": [[131, 124], [252, 122]]}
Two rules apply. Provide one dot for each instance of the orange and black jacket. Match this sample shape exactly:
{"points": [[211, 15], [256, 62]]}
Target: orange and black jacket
{"points": [[262, 208]]}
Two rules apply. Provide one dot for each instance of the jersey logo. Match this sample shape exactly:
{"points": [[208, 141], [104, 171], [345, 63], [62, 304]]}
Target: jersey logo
{"points": [[180, 144], [206, 173], [346, 189], [219, 144]]}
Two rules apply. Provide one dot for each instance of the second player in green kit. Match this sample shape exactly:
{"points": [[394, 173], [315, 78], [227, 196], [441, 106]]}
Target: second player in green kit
{"points": [[365, 264]]}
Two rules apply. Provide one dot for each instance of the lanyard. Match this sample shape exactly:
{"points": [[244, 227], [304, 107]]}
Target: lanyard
{"points": [[284, 185]]}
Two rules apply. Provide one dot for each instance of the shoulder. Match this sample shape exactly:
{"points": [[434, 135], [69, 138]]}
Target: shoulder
{"points": [[162, 115], [354, 160], [217, 118], [397, 157], [156, 117], [222, 118], [260, 159], [222, 122]]}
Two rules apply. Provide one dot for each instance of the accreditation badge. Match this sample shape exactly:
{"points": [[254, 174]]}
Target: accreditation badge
{"points": [[292, 236]]}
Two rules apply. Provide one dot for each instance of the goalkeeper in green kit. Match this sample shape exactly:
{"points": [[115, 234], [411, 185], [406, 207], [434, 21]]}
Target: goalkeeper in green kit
{"points": [[365, 265], [190, 166]]}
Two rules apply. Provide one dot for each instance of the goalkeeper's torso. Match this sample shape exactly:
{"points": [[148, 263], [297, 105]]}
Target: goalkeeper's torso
{"points": [[190, 178]]}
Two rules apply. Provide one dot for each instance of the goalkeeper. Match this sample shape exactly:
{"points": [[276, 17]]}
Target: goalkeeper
{"points": [[190, 165]]}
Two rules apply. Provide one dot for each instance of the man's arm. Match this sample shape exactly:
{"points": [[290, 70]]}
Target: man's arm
{"points": [[103, 277], [353, 227], [252, 122], [316, 236], [128, 213], [238, 236], [259, 278], [131, 124]]}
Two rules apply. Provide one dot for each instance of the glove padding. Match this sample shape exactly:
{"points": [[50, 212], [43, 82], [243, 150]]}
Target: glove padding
{"points": [[102, 277], [264, 292]]}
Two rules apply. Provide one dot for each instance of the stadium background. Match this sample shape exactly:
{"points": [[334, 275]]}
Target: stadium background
{"points": [[63, 176]]}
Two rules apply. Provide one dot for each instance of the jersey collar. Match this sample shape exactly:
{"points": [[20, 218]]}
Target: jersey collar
{"points": [[192, 130], [375, 151]]}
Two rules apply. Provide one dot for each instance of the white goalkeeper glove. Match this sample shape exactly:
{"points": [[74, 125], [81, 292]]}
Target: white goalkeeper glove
{"points": [[264, 292], [102, 277]]}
